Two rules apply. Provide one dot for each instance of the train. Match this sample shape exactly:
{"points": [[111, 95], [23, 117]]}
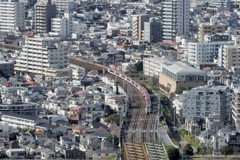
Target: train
{"points": [[137, 85]]}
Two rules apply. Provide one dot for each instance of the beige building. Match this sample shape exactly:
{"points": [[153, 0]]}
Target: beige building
{"points": [[231, 55], [138, 26], [179, 74], [43, 56], [236, 105], [209, 29]]}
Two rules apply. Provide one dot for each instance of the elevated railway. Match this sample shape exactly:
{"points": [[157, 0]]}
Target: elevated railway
{"points": [[141, 123]]}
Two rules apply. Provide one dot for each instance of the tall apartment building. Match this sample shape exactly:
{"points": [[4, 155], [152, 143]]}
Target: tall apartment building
{"points": [[44, 11], [12, 15], [66, 26], [231, 55], [236, 105], [138, 26], [200, 102], [43, 56], [63, 5], [211, 28], [175, 18], [204, 52], [152, 31]]}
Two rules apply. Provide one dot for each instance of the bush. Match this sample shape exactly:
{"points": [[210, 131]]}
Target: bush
{"points": [[173, 153], [193, 143]]}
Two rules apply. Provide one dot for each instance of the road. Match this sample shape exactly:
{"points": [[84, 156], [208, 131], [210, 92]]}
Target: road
{"points": [[165, 138]]}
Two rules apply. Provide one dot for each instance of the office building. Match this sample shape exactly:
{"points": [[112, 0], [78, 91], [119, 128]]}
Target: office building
{"points": [[175, 17], [152, 66], [12, 15], [175, 75], [153, 31], [44, 11], [43, 56], [138, 26]]}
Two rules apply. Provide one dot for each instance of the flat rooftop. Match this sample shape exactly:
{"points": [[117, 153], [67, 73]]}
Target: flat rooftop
{"points": [[144, 151]]}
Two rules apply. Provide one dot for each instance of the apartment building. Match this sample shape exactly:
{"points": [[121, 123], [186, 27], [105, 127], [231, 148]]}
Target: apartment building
{"points": [[62, 26], [66, 26], [12, 15], [63, 5], [17, 120], [138, 26], [177, 74], [44, 11], [203, 101], [220, 37], [204, 52], [236, 105], [211, 28], [152, 31], [175, 18], [231, 55], [7, 66], [43, 56]]}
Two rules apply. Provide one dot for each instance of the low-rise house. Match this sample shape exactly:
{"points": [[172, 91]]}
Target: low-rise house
{"points": [[16, 153], [103, 153], [73, 154]]}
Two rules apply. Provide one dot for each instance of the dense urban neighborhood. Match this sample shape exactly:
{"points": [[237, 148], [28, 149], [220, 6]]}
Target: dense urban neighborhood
{"points": [[120, 79]]}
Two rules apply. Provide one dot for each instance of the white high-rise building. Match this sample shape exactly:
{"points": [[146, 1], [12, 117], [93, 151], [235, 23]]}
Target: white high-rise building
{"points": [[175, 17], [12, 15], [43, 56], [205, 52], [63, 5], [67, 26], [200, 102]]}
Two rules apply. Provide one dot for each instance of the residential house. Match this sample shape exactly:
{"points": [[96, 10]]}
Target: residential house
{"points": [[16, 153]]}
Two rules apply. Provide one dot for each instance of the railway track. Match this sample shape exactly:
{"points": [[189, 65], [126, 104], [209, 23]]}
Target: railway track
{"points": [[141, 125]]}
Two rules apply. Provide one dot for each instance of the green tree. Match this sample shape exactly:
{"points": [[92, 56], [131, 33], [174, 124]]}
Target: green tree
{"points": [[114, 118], [139, 66], [226, 150], [111, 138], [202, 150], [188, 150], [173, 153]]}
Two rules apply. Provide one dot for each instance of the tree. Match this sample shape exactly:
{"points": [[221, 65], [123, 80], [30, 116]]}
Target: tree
{"points": [[188, 150], [138, 66], [13, 136], [114, 118], [202, 150], [226, 150], [173, 153], [111, 138]]}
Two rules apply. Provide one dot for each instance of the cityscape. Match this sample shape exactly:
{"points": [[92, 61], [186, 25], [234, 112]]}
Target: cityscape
{"points": [[120, 79]]}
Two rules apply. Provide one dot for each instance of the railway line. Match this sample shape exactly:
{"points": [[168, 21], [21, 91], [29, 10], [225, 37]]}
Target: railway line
{"points": [[142, 123]]}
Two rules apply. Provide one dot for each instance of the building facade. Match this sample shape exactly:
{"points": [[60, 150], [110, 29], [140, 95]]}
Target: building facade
{"points": [[175, 17], [177, 75], [43, 56], [211, 28], [231, 55], [12, 15], [44, 11], [63, 5], [236, 105], [201, 102], [204, 52], [138, 26], [152, 31]]}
